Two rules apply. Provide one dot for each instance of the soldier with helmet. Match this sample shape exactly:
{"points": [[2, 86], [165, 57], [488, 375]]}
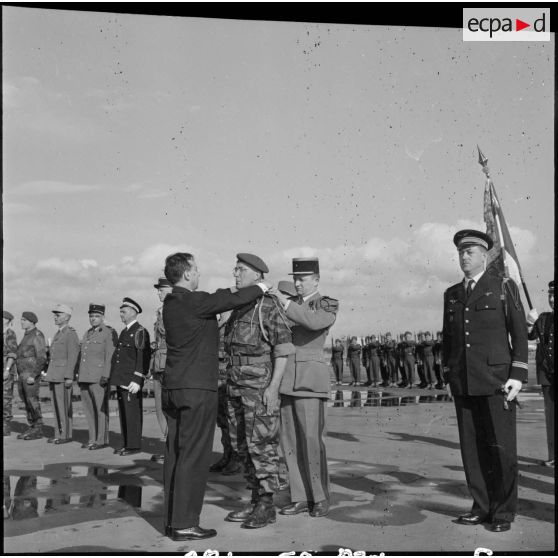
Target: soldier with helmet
{"points": [[257, 342], [129, 367], [96, 349], [64, 353]]}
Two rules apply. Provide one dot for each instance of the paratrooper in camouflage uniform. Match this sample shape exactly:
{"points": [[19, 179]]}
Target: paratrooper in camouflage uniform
{"points": [[257, 342], [9, 375]]}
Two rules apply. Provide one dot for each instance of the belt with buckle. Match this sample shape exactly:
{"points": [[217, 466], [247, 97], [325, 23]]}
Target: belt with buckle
{"points": [[242, 360]]}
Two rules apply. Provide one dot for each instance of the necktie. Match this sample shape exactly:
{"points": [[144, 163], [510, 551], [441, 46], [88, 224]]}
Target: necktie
{"points": [[470, 286], [299, 300]]}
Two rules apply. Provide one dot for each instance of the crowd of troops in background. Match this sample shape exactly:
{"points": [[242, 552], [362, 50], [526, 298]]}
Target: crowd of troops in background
{"points": [[391, 363]]}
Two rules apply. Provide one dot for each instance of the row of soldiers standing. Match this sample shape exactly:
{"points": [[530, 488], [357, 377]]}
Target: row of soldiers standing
{"points": [[389, 363]]}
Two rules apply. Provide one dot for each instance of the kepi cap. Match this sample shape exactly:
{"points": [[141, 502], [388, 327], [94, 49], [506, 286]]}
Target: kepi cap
{"points": [[468, 237], [7, 315], [126, 301], [96, 309], [163, 282], [31, 316], [253, 261], [305, 266], [62, 308], [287, 287]]}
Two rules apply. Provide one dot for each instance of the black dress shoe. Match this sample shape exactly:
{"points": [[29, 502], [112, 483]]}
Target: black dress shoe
{"points": [[191, 534], [129, 451], [85, 446], [158, 458], [51, 440], [470, 519], [98, 446], [62, 441], [319, 509], [295, 508], [499, 525], [118, 450]]}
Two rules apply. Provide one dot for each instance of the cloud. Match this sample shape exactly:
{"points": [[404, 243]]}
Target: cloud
{"points": [[14, 208], [54, 187]]}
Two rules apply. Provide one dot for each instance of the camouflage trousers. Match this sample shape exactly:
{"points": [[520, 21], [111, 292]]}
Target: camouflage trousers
{"points": [[30, 396], [8, 398], [223, 418], [253, 432]]}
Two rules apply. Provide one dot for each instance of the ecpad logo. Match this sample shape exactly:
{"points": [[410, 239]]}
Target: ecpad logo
{"points": [[506, 24]]}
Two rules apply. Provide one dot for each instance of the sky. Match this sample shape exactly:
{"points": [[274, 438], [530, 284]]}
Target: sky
{"points": [[130, 137]]}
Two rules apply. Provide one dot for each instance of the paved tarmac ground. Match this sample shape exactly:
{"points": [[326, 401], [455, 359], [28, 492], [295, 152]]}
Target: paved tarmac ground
{"points": [[396, 477]]}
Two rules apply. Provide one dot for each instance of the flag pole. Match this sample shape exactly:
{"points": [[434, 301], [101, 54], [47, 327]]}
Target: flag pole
{"points": [[483, 161]]}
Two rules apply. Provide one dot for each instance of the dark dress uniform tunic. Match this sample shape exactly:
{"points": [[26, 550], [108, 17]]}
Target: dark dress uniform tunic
{"points": [[408, 349], [374, 361], [130, 363], [543, 330], [31, 359], [427, 355], [97, 348], [389, 350], [478, 358]]}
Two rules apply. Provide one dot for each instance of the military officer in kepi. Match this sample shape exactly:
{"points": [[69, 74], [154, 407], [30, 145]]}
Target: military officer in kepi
{"points": [[257, 342], [129, 367], [96, 349], [305, 390], [485, 362], [64, 353]]}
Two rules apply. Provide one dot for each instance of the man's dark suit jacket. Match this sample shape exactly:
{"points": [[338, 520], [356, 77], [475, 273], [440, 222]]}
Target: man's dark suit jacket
{"points": [[192, 334]]}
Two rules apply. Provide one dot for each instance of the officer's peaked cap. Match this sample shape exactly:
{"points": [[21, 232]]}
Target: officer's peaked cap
{"points": [[470, 237], [131, 304]]}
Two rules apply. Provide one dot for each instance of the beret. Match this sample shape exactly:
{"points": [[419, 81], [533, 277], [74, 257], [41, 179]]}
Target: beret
{"points": [[163, 282], [471, 237], [286, 287], [131, 304], [7, 315], [253, 261], [31, 316]]}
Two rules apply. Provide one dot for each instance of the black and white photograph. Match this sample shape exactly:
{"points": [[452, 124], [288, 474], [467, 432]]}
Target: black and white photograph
{"points": [[277, 283]]}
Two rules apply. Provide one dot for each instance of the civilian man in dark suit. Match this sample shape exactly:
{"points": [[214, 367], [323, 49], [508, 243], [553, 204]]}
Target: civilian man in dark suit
{"points": [[190, 390], [485, 362], [130, 366], [542, 328], [305, 391]]}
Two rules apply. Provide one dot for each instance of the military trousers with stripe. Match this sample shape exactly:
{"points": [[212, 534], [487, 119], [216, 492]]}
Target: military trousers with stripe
{"points": [[62, 403], [253, 431], [302, 440]]}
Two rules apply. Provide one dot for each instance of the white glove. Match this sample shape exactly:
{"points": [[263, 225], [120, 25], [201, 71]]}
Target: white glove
{"points": [[532, 316]]}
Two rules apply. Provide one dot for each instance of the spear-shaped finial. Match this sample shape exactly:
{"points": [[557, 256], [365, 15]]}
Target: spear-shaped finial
{"points": [[483, 162]]}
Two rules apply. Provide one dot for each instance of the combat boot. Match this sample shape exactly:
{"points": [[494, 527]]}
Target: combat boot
{"points": [[221, 464], [34, 434], [263, 514], [233, 466], [242, 514]]}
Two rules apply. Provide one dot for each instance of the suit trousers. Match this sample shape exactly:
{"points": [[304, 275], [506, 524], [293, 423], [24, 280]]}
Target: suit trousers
{"points": [[130, 411], [548, 395], [487, 433], [191, 416], [95, 404], [62, 403], [302, 439]]}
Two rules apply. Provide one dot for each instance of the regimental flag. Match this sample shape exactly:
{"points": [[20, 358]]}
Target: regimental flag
{"points": [[502, 259]]}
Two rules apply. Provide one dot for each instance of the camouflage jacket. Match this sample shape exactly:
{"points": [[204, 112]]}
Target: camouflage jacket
{"points": [[10, 348], [31, 354], [244, 335]]}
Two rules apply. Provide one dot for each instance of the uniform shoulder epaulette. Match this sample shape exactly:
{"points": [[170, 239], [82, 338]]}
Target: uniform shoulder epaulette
{"points": [[329, 304], [139, 338]]}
